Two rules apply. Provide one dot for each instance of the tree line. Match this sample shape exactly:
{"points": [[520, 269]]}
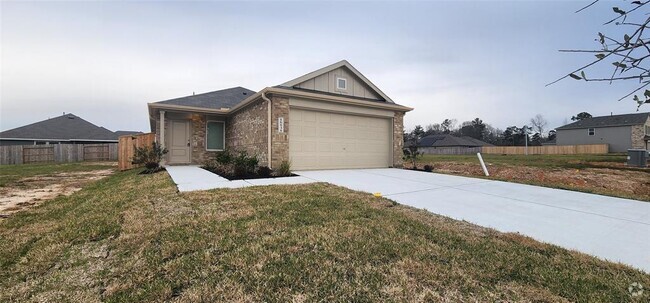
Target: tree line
{"points": [[535, 132]]}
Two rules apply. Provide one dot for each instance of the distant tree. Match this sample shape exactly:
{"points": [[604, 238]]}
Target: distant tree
{"points": [[474, 129], [509, 135], [448, 125], [536, 139], [538, 123], [417, 133], [433, 129], [492, 135], [627, 52], [581, 116]]}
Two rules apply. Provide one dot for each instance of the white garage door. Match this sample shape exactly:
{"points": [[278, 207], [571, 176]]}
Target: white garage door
{"points": [[322, 140]]}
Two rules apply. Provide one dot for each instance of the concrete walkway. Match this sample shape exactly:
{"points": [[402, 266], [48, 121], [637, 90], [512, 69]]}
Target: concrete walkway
{"points": [[609, 228], [189, 178]]}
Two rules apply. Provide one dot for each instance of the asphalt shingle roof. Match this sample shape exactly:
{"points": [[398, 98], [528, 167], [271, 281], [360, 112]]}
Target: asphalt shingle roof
{"points": [[225, 98], [450, 140], [66, 127], [605, 121]]}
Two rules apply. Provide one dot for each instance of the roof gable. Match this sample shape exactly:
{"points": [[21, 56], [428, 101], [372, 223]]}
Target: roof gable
{"points": [[66, 127], [324, 80], [608, 121], [225, 98]]}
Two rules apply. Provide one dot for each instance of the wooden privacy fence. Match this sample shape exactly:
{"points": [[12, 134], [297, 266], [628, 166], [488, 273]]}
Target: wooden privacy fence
{"points": [[548, 149], [25, 154], [126, 148]]}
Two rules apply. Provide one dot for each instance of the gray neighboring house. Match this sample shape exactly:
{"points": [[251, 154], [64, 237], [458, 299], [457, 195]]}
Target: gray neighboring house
{"points": [[445, 144], [65, 129], [621, 132]]}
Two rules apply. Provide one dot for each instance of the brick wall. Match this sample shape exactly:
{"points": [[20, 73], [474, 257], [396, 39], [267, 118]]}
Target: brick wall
{"points": [[638, 135], [280, 141], [247, 130], [398, 139]]}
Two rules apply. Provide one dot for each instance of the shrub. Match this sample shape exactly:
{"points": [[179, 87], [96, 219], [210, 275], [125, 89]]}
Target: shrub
{"points": [[264, 171], [284, 170], [244, 164], [428, 168], [224, 157], [411, 154], [149, 156]]}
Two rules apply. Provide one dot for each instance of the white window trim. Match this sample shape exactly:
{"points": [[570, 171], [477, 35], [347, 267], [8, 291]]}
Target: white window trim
{"points": [[206, 135], [344, 80], [589, 131]]}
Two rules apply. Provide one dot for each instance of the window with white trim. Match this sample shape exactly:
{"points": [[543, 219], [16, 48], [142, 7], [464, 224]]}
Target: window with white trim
{"points": [[341, 83], [591, 131], [215, 135]]}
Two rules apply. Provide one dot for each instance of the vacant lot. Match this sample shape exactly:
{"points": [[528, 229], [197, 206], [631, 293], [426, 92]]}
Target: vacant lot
{"points": [[134, 238], [600, 174], [23, 186]]}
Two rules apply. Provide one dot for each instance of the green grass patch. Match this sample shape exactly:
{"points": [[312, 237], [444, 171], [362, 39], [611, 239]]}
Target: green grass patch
{"points": [[132, 237]]}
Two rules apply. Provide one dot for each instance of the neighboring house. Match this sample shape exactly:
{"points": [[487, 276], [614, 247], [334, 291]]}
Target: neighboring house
{"points": [[330, 118], [621, 132], [65, 129], [120, 133], [446, 144]]}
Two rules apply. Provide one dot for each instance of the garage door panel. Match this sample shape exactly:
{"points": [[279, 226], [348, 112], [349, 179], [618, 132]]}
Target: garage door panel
{"points": [[322, 140]]}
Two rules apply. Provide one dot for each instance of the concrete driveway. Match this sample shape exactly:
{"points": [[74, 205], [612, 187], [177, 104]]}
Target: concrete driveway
{"points": [[609, 228]]}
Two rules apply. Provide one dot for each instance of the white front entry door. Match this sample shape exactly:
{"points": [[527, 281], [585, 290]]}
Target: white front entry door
{"points": [[179, 143]]}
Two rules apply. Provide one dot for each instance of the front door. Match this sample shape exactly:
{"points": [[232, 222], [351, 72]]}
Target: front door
{"points": [[179, 145]]}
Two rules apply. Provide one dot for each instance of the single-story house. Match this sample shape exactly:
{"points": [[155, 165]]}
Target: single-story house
{"points": [[621, 132], [447, 144], [65, 129], [330, 118]]}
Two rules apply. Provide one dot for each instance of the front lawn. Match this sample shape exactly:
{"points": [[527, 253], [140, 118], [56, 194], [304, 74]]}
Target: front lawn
{"points": [[12, 173], [133, 238]]}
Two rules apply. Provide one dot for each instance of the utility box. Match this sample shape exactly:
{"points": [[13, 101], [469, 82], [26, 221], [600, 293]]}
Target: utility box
{"points": [[637, 157]]}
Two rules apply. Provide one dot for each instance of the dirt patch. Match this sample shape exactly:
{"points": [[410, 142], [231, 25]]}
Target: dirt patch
{"points": [[32, 191], [622, 182]]}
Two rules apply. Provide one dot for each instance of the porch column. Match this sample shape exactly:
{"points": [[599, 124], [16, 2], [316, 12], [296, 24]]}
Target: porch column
{"points": [[162, 128]]}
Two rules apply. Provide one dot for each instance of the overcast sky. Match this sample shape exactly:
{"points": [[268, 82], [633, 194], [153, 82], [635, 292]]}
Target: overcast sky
{"points": [[106, 61]]}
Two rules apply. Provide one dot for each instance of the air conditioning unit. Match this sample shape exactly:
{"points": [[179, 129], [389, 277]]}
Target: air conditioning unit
{"points": [[637, 157]]}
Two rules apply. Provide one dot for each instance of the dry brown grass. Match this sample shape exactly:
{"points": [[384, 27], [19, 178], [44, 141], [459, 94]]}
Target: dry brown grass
{"points": [[134, 238]]}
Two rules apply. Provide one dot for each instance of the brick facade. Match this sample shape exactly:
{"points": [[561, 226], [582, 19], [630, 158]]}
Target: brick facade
{"points": [[279, 141], [398, 139], [638, 135], [247, 130]]}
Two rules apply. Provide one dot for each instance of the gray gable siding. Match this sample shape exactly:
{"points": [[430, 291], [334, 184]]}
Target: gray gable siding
{"points": [[619, 138], [327, 83]]}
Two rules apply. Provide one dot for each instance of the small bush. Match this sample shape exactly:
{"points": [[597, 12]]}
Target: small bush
{"points": [[428, 168], [284, 170], [244, 164], [224, 157], [150, 157], [264, 171]]}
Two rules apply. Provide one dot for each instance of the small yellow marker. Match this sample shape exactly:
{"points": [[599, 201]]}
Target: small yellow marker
{"points": [[378, 195]]}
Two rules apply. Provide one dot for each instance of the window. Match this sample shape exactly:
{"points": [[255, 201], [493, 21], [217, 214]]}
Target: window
{"points": [[591, 131], [341, 83], [215, 134]]}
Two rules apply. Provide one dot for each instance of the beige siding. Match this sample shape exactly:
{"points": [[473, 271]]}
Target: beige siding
{"points": [[327, 83]]}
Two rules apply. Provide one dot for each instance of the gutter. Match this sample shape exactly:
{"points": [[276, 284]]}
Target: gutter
{"points": [[268, 127]]}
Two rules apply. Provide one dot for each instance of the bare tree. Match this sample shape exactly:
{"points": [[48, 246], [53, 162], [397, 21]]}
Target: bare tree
{"points": [[539, 123], [627, 54]]}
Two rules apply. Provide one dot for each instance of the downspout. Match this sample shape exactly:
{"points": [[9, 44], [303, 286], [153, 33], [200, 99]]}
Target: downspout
{"points": [[268, 128]]}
